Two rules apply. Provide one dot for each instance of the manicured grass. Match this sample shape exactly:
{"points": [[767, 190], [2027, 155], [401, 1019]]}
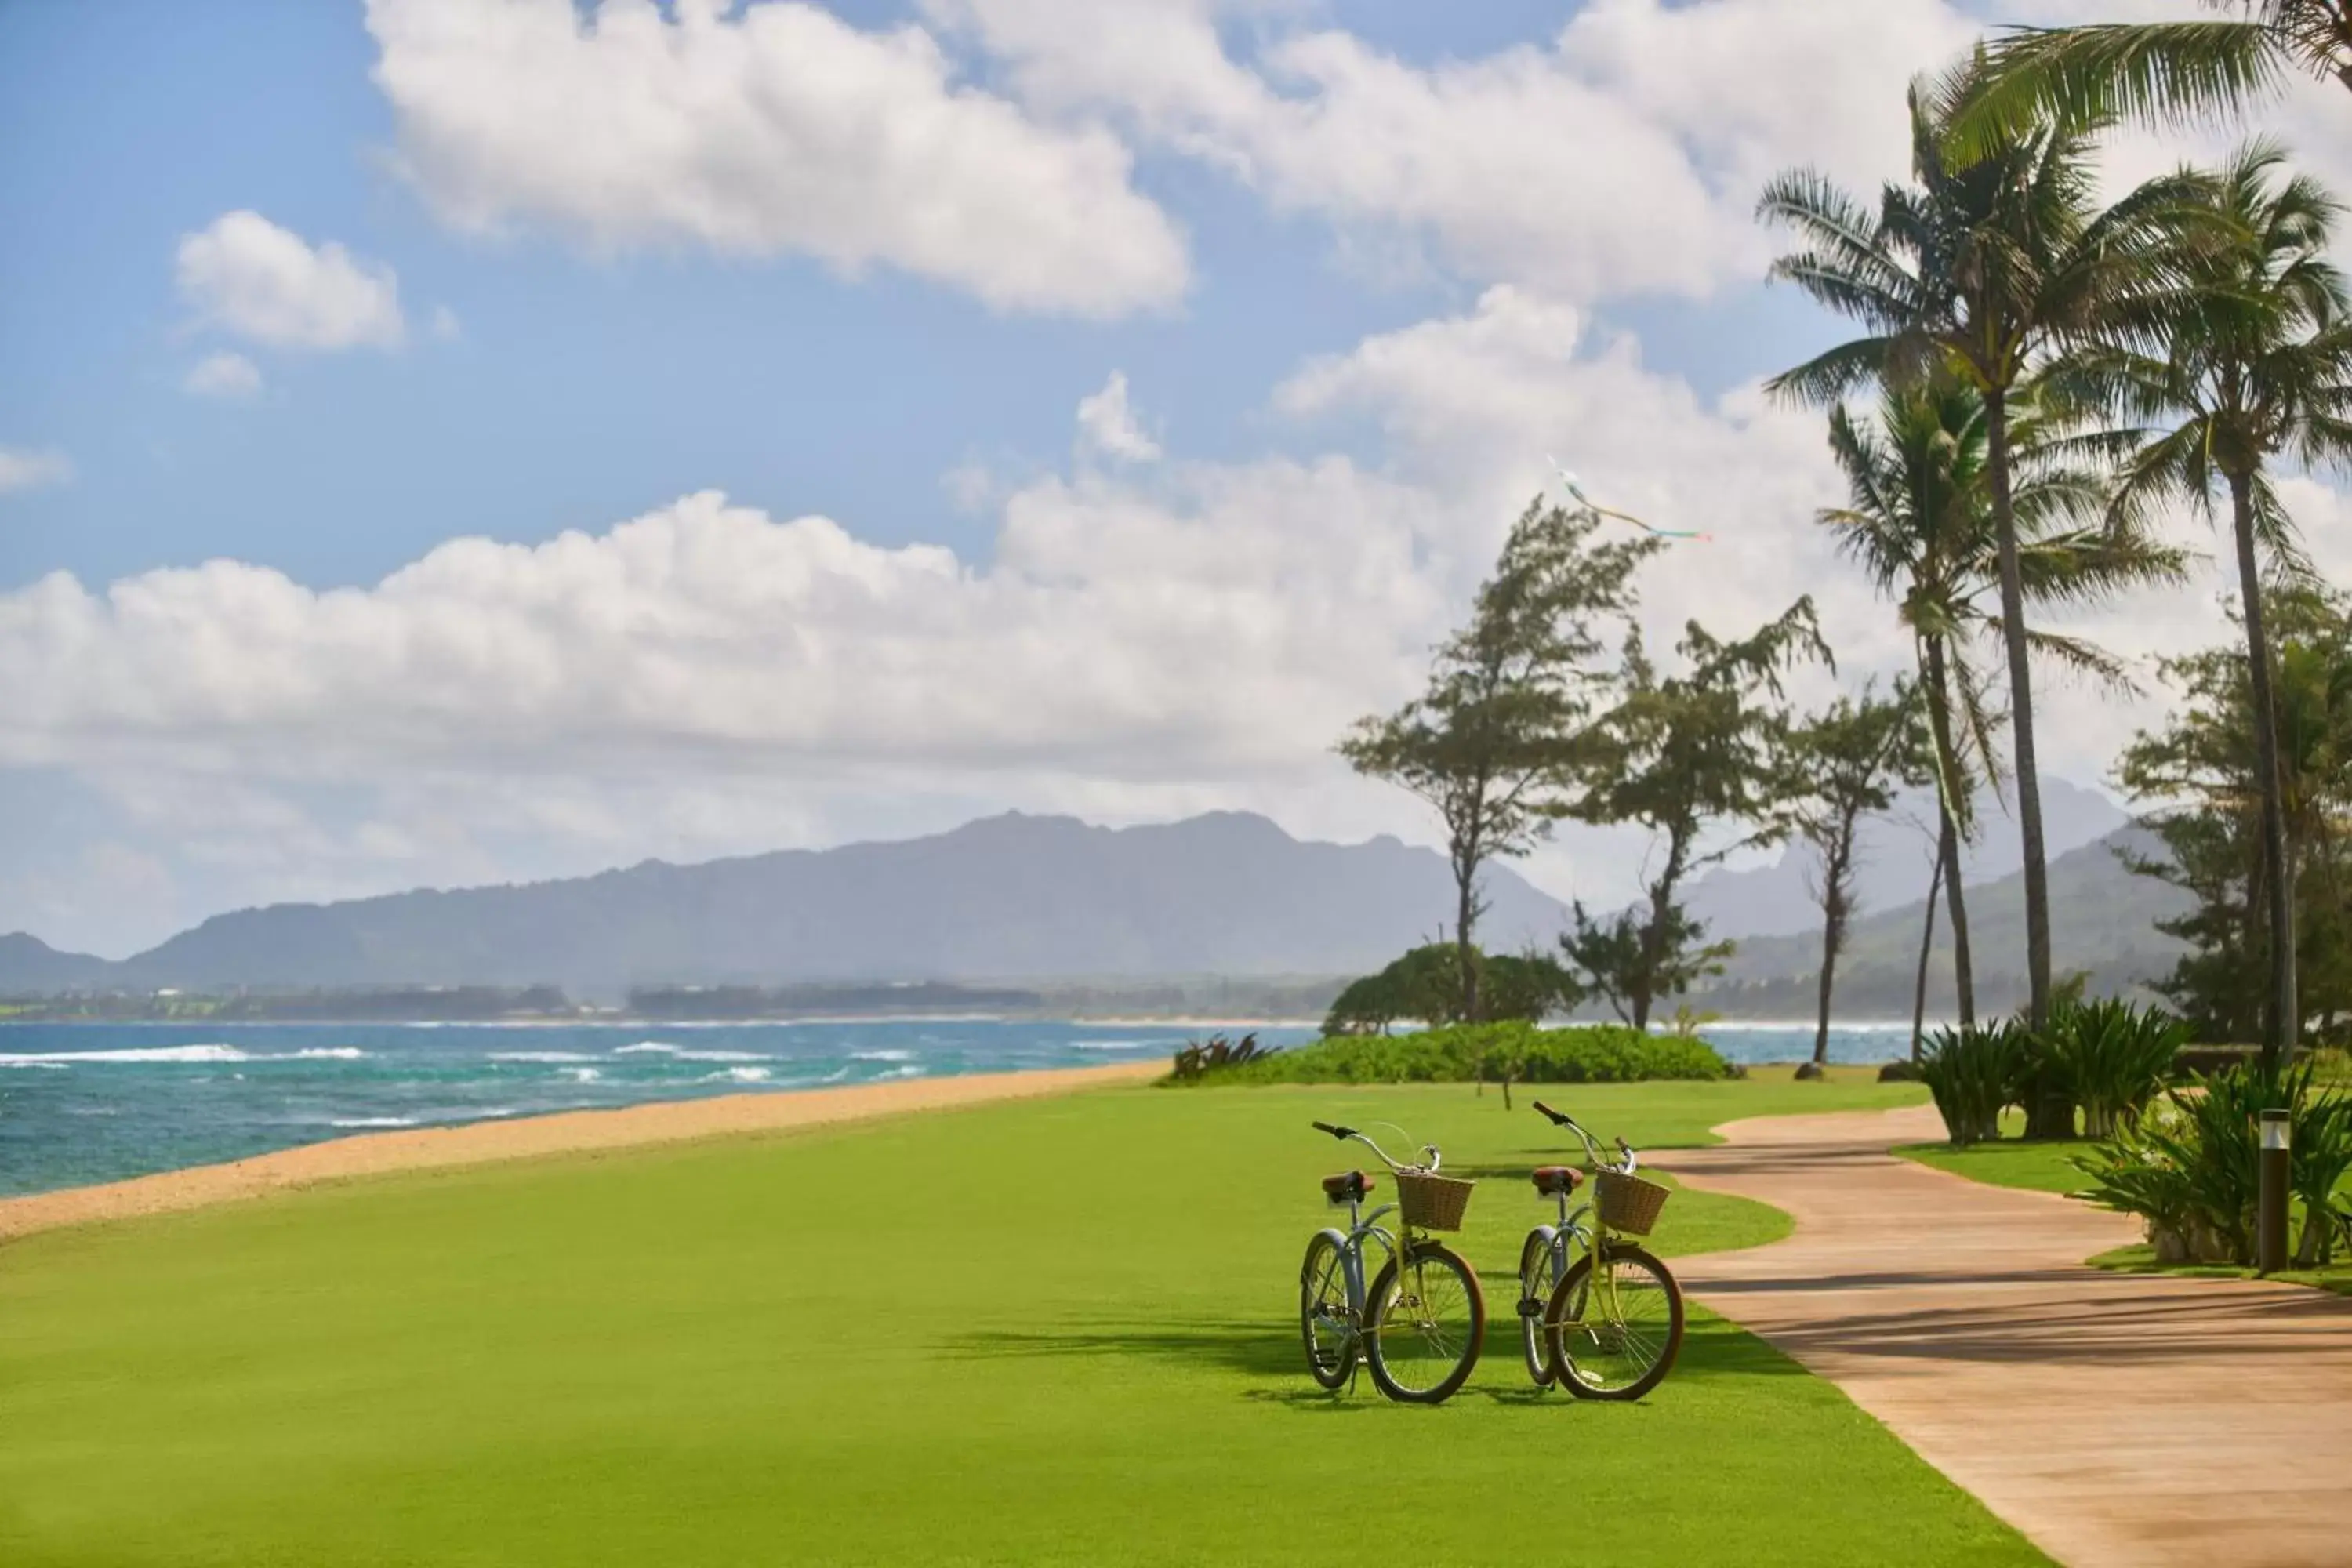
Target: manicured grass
{"points": [[2337, 1277], [1055, 1331], [2041, 1167]]}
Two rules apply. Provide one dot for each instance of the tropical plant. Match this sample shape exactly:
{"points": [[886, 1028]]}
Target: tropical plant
{"points": [[2250, 347], [1508, 700], [1918, 521], [1974, 1074], [2321, 1155], [1847, 763], [1197, 1058], [1686, 756], [2152, 72], [2190, 1164], [1979, 273], [2109, 1057]]}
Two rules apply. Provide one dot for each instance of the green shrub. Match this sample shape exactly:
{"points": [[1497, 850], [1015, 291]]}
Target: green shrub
{"points": [[2189, 1165], [2108, 1057], [1199, 1057], [1974, 1074], [1601, 1053]]}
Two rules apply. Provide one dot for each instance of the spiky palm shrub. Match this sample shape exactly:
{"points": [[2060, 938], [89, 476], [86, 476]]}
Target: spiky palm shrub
{"points": [[2108, 1057], [1975, 1075], [2322, 1144], [2191, 1165]]}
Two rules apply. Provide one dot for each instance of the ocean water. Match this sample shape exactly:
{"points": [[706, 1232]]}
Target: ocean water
{"points": [[96, 1102]]}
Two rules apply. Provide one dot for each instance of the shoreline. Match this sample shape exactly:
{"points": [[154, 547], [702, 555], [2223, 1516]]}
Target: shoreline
{"points": [[532, 1137]]}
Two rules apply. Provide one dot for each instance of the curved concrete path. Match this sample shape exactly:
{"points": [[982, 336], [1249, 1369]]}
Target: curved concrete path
{"points": [[2114, 1419]]}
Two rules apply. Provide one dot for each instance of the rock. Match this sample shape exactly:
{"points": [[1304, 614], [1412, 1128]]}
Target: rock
{"points": [[1807, 1070]]}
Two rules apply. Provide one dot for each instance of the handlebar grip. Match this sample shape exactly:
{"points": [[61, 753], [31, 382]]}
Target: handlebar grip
{"points": [[1556, 1119], [1335, 1131]]}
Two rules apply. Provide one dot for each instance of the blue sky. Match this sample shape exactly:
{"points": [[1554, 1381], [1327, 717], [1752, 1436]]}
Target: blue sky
{"points": [[318, 291]]}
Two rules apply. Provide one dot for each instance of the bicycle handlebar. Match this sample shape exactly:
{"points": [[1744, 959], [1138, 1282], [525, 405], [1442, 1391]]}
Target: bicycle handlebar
{"points": [[1347, 1134], [1623, 1165]]}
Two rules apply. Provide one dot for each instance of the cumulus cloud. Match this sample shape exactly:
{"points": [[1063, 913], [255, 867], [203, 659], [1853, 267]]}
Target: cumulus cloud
{"points": [[22, 469], [228, 376], [778, 129], [1621, 156], [1108, 424], [247, 276]]}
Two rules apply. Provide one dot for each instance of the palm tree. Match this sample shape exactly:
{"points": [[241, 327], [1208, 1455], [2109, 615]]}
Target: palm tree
{"points": [[2147, 71], [2251, 351], [1981, 273], [1919, 525]]}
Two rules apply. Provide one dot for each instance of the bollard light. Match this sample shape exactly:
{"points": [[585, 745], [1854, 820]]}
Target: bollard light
{"points": [[2270, 1227]]}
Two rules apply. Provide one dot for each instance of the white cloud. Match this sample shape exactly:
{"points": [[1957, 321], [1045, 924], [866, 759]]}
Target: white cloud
{"points": [[778, 129], [1622, 156], [1107, 423], [245, 275], [229, 376], [28, 470]]}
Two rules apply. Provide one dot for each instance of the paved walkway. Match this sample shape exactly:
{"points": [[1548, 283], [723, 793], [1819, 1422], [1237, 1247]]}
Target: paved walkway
{"points": [[2114, 1419]]}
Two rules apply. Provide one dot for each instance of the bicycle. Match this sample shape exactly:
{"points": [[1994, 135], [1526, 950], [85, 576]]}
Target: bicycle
{"points": [[1418, 1327], [1607, 1324]]}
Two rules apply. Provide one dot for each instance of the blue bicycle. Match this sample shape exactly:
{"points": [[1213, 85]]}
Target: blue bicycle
{"points": [[1419, 1325]]}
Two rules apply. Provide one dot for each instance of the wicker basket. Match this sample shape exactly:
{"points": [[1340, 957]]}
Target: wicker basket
{"points": [[1630, 1204], [1432, 1201]]}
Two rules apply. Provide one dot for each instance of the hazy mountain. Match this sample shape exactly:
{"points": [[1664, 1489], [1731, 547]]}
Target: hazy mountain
{"points": [[2102, 919], [1897, 853], [29, 964], [1007, 897]]}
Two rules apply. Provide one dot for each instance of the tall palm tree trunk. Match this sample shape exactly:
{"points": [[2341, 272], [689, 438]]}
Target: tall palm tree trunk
{"points": [[1927, 946], [2020, 698], [1832, 938], [1956, 904], [2282, 1026], [1948, 833]]}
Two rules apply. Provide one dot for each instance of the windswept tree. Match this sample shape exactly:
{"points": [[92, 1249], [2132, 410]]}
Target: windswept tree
{"points": [[1691, 758], [1979, 273], [1510, 702], [2201, 770], [1919, 523], [2252, 353], [2150, 72], [1846, 764]]}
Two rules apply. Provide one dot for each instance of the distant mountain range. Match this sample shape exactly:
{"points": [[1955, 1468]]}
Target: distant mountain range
{"points": [[1005, 897], [2102, 921], [1896, 853], [1040, 899]]}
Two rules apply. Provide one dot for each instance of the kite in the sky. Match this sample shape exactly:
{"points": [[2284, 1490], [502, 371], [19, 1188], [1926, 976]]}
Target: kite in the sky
{"points": [[1586, 502]]}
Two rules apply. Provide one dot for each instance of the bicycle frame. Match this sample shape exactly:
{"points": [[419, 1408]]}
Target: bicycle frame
{"points": [[1362, 1227], [1593, 1238]]}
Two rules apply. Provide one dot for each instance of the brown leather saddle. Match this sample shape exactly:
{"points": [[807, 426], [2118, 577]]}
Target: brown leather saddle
{"points": [[1348, 1188], [1556, 1181]]}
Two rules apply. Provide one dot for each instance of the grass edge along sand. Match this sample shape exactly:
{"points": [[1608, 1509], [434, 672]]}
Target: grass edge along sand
{"points": [[1052, 1329]]}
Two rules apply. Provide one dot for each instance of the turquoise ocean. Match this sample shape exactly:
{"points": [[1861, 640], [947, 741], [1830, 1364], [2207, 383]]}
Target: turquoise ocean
{"points": [[96, 1102]]}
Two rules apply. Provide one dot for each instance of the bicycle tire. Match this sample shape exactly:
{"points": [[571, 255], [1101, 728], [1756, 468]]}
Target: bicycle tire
{"points": [[1539, 1274], [1330, 1358], [1390, 1375], [1564, 1320]]}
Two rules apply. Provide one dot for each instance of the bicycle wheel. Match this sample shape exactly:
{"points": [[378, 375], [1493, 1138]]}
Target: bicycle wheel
{"points": [[1615, 1335], [1423, 1323], [1326, 1320], [1539, 1272]]}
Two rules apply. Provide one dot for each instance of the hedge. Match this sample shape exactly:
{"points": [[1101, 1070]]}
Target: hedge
{"points": [[1598, 1053]]}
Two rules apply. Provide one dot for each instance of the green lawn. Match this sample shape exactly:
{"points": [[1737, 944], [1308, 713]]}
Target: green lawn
{"points": [[1057, 1331], [2041, 1167]]}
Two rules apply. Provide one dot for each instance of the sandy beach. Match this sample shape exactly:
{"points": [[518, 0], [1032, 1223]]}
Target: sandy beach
{"points": [[481, 1142]]}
